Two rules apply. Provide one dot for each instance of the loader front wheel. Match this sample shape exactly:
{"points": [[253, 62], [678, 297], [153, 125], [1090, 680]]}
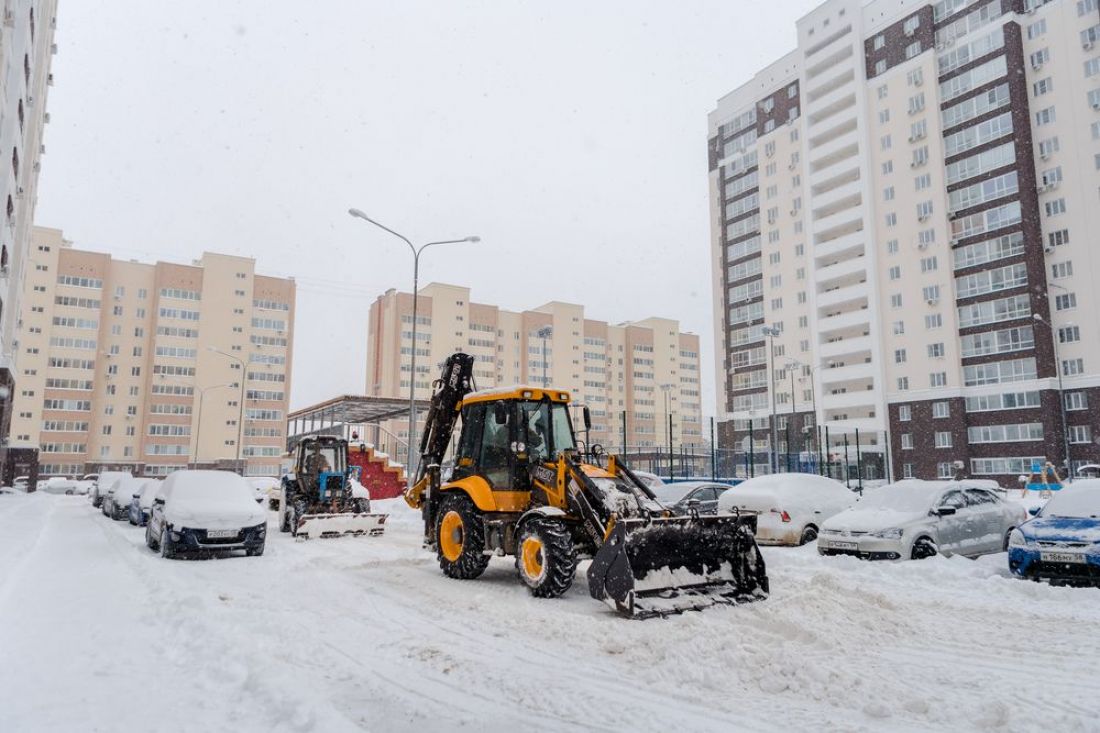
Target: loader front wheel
{"points": [[545, 558], [460, 538]]}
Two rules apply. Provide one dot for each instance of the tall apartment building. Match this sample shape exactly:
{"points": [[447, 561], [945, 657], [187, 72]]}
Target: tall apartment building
{"points": [[640, 372], [26, 49], [149, 367], [909, 197]]}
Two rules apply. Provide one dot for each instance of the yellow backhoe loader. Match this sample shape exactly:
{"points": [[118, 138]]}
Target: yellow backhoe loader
{"points": [[520, 487]]}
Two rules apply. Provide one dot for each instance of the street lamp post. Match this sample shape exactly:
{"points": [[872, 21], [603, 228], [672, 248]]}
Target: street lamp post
{"points": [[416, 251], [771, 332], [666, 388], [813, 400], [1061, 396], [240, 414]]}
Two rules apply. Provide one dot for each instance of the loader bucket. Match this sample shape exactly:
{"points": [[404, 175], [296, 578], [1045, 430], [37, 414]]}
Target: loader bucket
{"points": [[338, 525], [658, 567]]}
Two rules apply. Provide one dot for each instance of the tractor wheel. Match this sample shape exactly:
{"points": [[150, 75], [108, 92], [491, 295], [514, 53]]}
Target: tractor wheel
{"points": [[460, 538], [297, 509], [545, 558]]}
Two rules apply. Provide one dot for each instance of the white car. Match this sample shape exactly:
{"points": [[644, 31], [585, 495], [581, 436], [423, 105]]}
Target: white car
{"points": [[914, 519], [651, 480], [58, 485], [205, 511], [265, 490], [21, 483], [791, 506], [104, 482], [116, 502]]}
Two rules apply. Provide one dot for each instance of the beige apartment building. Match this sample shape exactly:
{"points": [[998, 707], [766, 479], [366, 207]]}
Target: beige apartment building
{"points": [[632, 376], [903, 210], [148, 367]]}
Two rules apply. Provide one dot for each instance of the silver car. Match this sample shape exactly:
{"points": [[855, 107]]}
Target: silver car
{"points": [[915, 519]]}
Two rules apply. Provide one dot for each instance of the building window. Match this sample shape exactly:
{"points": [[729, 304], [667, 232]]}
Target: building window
{"points": [[1071, 367], [937, 379], [903, 384], [943, 439], [905, 413], [907, 470], [1061, 270], [899, 356], [1065, 301], [1076, 401], [907, 441], [941, 409], [945, 470], [1080, 434], [1043, 86], [935, 351], [1069, 334]]}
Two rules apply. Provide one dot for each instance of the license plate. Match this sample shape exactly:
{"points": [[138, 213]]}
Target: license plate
{"points": [[1074, 557], [843, 545], [219, 534]]}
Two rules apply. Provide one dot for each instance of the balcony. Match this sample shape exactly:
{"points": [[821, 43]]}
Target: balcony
{"points": [[839, 224], [850, 189], [828, 153], [855, 293], [830, 61], [852, 347], [840, 272], [865, 425], [852, 398], [844, 78], [835, 247], [829, 324], [848, 372], [845, 100]]}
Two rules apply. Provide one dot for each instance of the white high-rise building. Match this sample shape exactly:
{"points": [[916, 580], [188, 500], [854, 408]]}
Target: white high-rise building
{"points": [[26, 49], [903, 206]]}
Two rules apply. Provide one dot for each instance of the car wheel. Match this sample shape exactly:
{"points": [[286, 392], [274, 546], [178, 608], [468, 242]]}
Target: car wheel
{"points": [[923, 548], [255, 551], [149, 539], [808, 535], [165, 544], [1008, 534]]}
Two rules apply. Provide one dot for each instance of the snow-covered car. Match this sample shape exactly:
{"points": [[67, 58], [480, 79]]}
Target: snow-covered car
{"points": [[142, 502], [1062, 542], [58, 485], [205, 511], [265, 490], [915, 519], [116, 504], [791, 506], [104, 481], [20, 483], [651, 480], [681, 497]]}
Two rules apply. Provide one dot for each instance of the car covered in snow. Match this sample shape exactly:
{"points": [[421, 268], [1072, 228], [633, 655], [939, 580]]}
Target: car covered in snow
{"points": [[142, 502], [205, 511], [1062, 542], [791, 506], [265, 489], [58, 485], [651, 480], [104, 481], [682, 496], [116, 503], [914, 519], [21, 483]]}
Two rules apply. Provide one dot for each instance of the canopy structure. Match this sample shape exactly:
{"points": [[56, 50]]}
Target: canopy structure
{"points": [[346, 415]]}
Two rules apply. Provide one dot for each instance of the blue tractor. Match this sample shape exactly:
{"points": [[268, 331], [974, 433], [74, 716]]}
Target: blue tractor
{"points": [[322, 496]]}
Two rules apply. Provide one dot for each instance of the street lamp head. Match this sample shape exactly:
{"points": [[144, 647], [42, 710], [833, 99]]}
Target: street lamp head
{"points": [[474, 239], [1038, 317], [358, 214]]}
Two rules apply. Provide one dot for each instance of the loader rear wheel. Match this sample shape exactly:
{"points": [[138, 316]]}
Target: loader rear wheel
{"points": [[545, 558], [460, 538]]}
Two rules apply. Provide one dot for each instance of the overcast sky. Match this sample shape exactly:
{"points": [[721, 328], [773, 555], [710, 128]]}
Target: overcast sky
{"points": [[571, 136]]}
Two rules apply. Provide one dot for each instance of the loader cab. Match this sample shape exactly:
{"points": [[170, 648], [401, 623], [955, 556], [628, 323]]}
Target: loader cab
{"points": [[503, 434]]}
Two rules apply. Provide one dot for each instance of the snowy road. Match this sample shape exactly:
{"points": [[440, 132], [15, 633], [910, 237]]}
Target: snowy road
{"points": [[99, 634]]}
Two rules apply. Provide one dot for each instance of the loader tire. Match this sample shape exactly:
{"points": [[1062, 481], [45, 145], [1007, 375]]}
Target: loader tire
{"points": [[545, 558], [460, 538]]}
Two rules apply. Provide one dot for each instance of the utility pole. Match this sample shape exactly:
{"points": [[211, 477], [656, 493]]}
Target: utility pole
{"points": [[771, 332]]}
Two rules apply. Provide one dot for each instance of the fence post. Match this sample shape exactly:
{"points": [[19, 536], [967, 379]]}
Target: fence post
{"points": [[847, 475], [713, 453], [751, 455], [859, 465]]}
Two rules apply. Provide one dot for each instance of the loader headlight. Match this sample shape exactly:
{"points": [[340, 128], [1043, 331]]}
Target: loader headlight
{"points": [[1016, 539], [894, 533]]}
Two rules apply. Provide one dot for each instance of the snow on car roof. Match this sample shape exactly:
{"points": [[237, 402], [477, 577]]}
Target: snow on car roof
{"points": [[787, 485], [1079, 499], [207, 488]]}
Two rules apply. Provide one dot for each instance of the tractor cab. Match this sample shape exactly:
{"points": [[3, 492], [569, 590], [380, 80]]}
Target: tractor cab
{"points": [[504, 432], [322, 461]]}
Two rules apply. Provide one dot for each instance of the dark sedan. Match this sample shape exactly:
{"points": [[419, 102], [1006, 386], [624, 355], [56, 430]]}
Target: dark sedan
{"points": [[681, 497]]}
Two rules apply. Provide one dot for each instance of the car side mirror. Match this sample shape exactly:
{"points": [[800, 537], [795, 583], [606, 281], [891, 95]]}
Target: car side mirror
{"points": [[1034, 511], [159, 501], [137, 496], [500, 414], [586, 414], [946, 511]]}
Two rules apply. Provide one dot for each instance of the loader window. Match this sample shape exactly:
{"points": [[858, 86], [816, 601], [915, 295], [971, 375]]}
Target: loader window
{"points": [[548, 430], [496, 456]]}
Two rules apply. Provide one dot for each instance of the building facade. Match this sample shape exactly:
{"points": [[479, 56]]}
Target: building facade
{"points": [[929, 175], [152, 367], [26, 49], [633, 376]]}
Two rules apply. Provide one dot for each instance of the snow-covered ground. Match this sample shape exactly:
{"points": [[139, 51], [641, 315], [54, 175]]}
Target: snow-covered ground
{"points": [[99, 634]]}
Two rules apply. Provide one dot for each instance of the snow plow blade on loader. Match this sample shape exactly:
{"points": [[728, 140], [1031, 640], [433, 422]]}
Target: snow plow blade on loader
{"points": [[660, 566], [338, 525]]}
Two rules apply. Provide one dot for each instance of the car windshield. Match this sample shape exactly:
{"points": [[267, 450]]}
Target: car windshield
{"points": [[900, 498], [1074, 502]]}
